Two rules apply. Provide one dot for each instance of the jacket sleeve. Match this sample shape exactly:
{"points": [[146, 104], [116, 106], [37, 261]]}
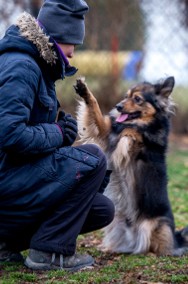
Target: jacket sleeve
{"points": [[18, 87]]}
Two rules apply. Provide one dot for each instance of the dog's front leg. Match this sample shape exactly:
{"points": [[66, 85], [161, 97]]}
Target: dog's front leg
{"points": [[83, 91], [94, 114]]}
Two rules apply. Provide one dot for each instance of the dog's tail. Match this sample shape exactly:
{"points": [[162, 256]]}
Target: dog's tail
{"points": [[182, 238]]}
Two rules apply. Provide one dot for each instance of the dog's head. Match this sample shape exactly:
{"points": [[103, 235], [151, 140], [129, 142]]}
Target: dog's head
{"points": [[143, 101]]}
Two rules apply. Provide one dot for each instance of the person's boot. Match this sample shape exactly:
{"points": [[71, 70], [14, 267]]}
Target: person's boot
{"points": [[7, 255], [39, 260]]}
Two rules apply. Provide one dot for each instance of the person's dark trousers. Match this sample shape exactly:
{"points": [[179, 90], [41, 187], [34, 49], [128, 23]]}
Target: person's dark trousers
{"points": [[84, 210]]}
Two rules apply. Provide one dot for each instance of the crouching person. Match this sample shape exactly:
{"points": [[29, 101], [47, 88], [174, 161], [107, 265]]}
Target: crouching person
{"points": [[50, 191]]}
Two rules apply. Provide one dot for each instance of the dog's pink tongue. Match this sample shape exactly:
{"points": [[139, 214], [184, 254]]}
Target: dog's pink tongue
{"points": [[122, 117]]}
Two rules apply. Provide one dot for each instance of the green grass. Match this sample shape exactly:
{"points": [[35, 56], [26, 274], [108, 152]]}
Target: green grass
{"points": [[178, 185], [120, 268]]}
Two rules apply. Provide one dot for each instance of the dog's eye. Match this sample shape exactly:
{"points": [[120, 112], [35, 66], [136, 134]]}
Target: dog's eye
{"points": [[138, 100]]}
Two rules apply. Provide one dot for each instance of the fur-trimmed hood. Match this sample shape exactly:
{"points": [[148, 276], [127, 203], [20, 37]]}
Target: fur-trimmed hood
{"points": [[26, 36], [30, 29]]}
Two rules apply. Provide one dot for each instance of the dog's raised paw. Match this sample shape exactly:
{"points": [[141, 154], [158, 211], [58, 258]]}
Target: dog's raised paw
{"points": [[81, 87]]}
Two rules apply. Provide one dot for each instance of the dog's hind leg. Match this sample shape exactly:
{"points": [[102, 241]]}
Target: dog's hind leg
{"points": [[162, 241], [165, 242]]}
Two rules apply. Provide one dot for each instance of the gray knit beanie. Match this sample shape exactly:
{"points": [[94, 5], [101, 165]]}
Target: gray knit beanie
{"points": [[64, 20]]}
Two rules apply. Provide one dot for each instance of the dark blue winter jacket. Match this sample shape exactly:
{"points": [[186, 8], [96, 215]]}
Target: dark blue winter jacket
{"points": [[35, 170]]}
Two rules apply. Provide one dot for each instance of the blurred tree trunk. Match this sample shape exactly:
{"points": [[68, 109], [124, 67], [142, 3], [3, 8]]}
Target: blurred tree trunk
{"points": [[35, 7], [185, 11], [108, 19]]}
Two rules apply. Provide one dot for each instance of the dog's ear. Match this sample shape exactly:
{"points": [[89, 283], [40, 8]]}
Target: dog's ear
{"points": [[166, 87]]}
